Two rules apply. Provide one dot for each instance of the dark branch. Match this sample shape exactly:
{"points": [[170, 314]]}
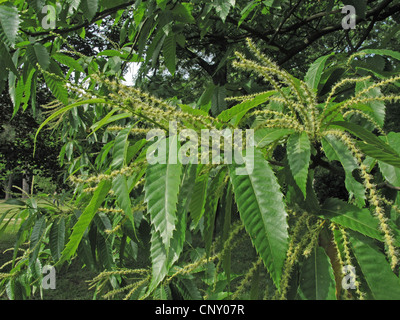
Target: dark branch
{"points": [[98, 16], [377, 14]]}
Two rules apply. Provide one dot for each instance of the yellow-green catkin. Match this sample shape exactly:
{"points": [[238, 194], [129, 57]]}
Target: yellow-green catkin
{"points": [[300, 230], [373, 197], [348, 261], [245, 281]]}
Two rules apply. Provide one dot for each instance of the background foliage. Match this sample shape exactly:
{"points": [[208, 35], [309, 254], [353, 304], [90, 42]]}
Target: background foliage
{"points": [[323, 102]]}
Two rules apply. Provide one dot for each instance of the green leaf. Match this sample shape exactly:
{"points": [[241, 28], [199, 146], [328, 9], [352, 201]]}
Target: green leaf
{"points": [[182, 12], [55, 84], [335, 149], [379, 154], [63, 110], [9, 23], [85, 219], [262, 210], [179, 235], [169, 53], [317, 281], [16, 202], [36, 238], [89, 8], [382, 282], [299, 153], [351, 217], [314, 73], [159, 260], [198, 199], [120, 188], [206, 97], [68, 61], [391, 173], [121, 148], [241, 109], [222, 8], [371, 145], [265, 136], [57, 238], [161, 192], [162, 4], [214, 192], [38, 54], [37, 5], [161, 257], [108, 119], [227, 205], [104, 252], [7, 60], [378, 109], [247, 10], [218, 103], [382, 52]]}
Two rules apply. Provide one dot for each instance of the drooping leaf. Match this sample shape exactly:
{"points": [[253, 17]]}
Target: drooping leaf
{"points": [[169, 53], [37, 5], [298, 153], [383, 52], [183, 12], [382, 282], [161, 192], [222, 7], [198, 199], [214, 192], [163, 258], [218, 102], [159, 260], [377, 107], [335, 150], [89, 8], [9, 23], [265, 136], [120, 188], [351, 217], [241, 109], [371, 144], [391, 173], [56, 86], [57, 238], [61, 111], [262, 210], [7, 60], [314, 73], [85, 218], [36, 238], [317, 280], [38, 54], [121, 148], [104, 252], [68, 61], [179, 235]]}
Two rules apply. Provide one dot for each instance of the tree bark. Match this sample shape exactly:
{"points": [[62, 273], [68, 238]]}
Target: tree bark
{"points": [[25, 187], [9, 186]]}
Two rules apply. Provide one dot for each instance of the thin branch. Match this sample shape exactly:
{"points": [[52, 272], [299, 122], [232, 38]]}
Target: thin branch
{"points": [[376, 13], [387, 185], [381, 7], [283, 22], [98, 16]]}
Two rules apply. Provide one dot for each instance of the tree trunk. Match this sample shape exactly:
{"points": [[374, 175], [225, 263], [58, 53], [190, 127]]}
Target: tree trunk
{"points": [[25, 187], [9, 186]]}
